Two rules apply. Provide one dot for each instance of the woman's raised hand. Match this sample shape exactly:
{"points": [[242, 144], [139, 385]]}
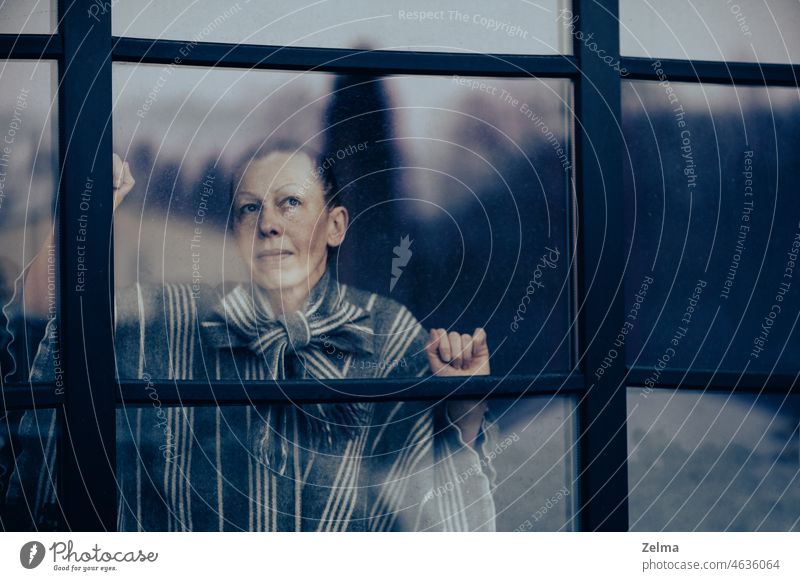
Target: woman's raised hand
{"points": [[460, 354], [454, 354], [123, 180]]}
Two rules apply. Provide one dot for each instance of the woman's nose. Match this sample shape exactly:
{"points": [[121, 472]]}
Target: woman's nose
{"points": [[268, 224]]}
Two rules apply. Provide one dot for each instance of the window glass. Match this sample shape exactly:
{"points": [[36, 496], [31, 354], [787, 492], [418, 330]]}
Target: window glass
{"points": [[347, 466], [713, 227], [28, 172], [739, 30], [713, 462], [536, 465], [28, 471], [457, 196], [28, 16], [510, 26]]}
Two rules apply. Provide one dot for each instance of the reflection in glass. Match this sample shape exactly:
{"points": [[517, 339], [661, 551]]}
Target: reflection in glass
{"points": [[745, 30], [29, 16], [713, 462], [713, 225], [512, 26], [457, 193], [28, 169]]}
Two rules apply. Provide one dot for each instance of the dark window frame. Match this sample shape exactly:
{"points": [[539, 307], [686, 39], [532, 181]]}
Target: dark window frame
{"points": [[85, 49]]}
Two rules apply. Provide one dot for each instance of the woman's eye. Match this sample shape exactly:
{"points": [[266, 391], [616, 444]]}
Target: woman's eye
{"points": [[249, 208], [292, 202]]}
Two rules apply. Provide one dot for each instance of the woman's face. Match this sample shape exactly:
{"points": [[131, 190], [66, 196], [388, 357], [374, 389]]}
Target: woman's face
{"points": [[281, 225]]}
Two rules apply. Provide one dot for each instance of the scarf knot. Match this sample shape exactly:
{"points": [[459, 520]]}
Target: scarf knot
{"points": [[298, 330], [325, 329]]}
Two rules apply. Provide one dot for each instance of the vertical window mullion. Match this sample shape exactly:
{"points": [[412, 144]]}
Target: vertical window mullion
{"points": [[599, 141], [87, 452]]}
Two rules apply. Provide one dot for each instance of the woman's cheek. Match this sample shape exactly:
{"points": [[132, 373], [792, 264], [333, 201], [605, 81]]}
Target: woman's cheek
{"points": [[292, 214]]}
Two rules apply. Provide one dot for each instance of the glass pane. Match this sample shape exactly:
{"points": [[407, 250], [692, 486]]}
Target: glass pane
{"points": [[28, 16], [536, 463], [742, 30], [393, 466], [456, 192], [28, 471], [713, 462], [511, 26], [713, 227], [28, 173]]}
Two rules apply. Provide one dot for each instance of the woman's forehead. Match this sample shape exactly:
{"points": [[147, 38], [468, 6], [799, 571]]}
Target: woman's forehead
{"points": [[277, 169]]}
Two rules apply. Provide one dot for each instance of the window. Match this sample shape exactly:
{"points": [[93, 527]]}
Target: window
{"points": [[744, 31], [28, 17], [713, 461], [711, 246], [431, 162], [712, 226], [470, 27], [28, 178], [543, 191]]}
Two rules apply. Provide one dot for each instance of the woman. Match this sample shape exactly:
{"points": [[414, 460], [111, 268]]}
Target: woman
{"points": [[351, 466]]}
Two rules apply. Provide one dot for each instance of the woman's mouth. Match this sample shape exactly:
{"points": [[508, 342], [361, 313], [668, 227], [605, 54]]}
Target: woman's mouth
{"points": [[273, 255]]}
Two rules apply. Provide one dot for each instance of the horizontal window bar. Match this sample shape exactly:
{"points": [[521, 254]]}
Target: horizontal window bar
{"points": [[29, 397], [30, 46], [732, 73], [231, 392], [727, 381], [168, 392], [337, 60]]}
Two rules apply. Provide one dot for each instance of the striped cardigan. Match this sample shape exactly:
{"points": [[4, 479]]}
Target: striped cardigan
{"points": [[184, 468]]}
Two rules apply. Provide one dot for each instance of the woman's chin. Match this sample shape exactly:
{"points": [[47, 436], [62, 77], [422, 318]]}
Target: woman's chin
{"points": [[276, 278]]}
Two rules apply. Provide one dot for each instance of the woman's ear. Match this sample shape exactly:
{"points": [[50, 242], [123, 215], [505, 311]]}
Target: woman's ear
{"points": [[338, 219]]}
